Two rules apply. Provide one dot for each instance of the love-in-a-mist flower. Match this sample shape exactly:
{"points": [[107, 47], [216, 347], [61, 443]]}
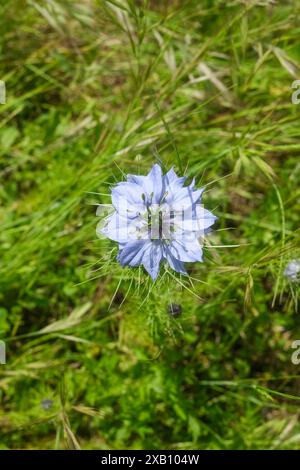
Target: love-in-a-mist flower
{"points": [[156, 218], [292, 271]]}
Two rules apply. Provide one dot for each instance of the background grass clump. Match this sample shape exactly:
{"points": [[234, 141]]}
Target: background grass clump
{"points": [[96, 89]]}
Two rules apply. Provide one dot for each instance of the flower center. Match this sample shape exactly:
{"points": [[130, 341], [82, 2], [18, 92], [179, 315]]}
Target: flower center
{"points": [[155, 224]]}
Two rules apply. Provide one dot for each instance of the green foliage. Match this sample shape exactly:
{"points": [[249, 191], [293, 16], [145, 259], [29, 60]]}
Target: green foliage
{"points": [[100, 88]]}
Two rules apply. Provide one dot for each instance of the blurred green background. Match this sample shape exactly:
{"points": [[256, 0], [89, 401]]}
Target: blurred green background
{"points": [[96, 89]]}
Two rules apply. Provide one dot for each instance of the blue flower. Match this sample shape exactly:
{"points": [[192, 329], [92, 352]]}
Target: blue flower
{"points": [[292, 270], [156, 218]]}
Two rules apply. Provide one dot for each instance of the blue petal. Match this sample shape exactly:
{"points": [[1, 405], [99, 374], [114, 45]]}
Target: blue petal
{"points": [[151, 185], [204, 218], [194, 218], [133, 252], [127, 198], [152, 259], [188, 252], [121, 229], [172, 181], [137, 179], [182, 198], [174, 263]]}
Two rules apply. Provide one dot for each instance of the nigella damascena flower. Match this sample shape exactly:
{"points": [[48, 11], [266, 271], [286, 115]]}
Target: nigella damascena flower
{"points": [[292, 271], [156, 218]]}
